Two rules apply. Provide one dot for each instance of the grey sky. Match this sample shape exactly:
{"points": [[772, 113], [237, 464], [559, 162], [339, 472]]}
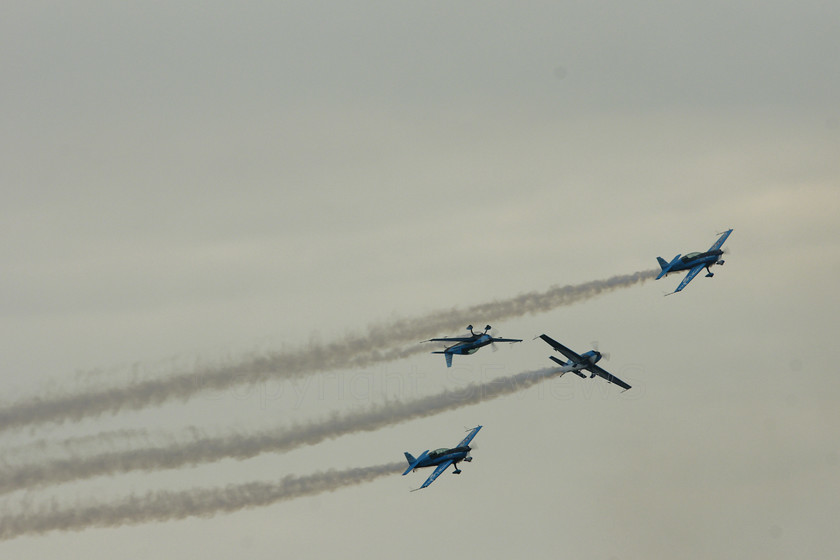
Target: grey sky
{"points": [[188, 184]]}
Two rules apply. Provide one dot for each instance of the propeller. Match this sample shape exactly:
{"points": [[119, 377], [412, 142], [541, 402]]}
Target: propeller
{"points": [[471, 444], [725, 250], [493, 346], [604, 355]]}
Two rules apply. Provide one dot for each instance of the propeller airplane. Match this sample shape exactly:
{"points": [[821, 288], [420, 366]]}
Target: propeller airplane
{"points": [[441, 458], [694, 262], [579, 362], [468, 344]]}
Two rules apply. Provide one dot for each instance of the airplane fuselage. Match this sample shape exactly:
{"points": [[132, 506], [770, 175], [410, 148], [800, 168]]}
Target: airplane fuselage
{"points": [[589, 358], [689, 261], [468, 344], [470, 347], [438, 456]]}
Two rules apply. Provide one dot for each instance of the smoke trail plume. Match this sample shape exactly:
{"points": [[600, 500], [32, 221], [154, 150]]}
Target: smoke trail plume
{"points": [[204, 502], [381, 343], [243, 446], [78, 445]]}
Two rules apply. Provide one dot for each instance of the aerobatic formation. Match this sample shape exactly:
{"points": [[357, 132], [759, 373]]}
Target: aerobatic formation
{"points": [[381, 343], [443, 458]]}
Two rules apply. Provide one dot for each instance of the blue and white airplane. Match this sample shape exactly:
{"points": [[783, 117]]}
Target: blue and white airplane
{"points": [[578, 362], [442, 457], [694, 262], [468, 344]]}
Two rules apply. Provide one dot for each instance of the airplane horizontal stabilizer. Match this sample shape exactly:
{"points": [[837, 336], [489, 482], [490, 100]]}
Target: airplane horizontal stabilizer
{"points": [[557, 360], [564, 364]]}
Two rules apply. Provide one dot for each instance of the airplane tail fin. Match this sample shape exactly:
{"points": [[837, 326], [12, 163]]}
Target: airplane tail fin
{"points": [[447, 355], [412, 461], [665, 265]]}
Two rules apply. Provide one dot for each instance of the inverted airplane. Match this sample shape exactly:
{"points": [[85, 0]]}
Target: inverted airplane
{"points": [[468, 344], [441, 458], [694, 262], [579, 362]]}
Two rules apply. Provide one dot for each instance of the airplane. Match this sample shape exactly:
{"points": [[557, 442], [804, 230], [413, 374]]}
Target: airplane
{"points": [[579, 362], [468, 344], [694, 262], [442, 457]]}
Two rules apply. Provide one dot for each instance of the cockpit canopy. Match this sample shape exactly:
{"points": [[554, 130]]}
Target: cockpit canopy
{"points": [[438, 452], [690, 256]]}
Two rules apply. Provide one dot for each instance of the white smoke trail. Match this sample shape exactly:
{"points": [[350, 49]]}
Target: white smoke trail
{"points": [[382, 343], [204, 449], [168, 505], [81, 445]]}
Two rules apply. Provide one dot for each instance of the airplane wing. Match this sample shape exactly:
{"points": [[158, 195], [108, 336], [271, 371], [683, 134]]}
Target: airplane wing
{"points": [[453, 339], [507, 340], [469, 438], [719, 243], [689, 277], [562, 349], [597, 370], [438, 471]]}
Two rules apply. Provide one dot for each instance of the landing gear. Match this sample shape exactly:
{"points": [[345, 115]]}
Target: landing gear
{"points": [[710, 273], [457, 470]]}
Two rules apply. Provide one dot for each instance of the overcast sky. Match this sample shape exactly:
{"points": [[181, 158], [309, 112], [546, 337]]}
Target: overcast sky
{"points": [[191, 184]]}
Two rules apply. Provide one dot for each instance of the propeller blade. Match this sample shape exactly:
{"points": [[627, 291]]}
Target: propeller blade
{"points": [[604, 355]]}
